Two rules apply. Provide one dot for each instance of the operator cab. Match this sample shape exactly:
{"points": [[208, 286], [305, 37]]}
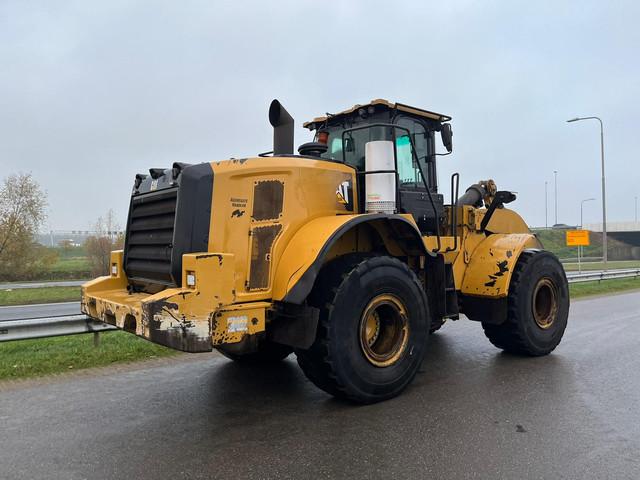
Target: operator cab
{"points": [[412, 131]]}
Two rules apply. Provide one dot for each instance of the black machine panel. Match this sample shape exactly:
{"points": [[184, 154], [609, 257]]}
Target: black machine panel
{"points": [[150, 236], [169, 216], [417, 203]]}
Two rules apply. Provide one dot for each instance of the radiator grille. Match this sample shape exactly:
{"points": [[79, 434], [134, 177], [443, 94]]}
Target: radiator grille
{"points": [[149, 242], [262, 239]]}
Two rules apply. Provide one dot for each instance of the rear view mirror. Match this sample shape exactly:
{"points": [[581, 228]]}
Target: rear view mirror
{"points": [[447, 136]]}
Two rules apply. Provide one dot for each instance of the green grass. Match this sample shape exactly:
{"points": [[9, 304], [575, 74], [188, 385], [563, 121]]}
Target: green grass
{"points": [[25, 296], [577, 290], [69, 268], [64, 268], [555, 241], [31, 358], [569, 267], [70, 252]]}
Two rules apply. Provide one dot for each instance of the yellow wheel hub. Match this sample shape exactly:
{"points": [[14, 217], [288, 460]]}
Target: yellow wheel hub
{"points": [[384, 330], [545, 303]]}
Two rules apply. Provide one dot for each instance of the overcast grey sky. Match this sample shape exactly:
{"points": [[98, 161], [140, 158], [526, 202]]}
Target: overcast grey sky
{"points": [[93, 92]]}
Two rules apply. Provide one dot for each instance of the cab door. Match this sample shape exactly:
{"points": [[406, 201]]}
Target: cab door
{"points": [[414, 198]]}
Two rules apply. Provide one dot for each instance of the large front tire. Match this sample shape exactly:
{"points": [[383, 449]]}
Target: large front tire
{"points": [[372, 330], [538, 307]]}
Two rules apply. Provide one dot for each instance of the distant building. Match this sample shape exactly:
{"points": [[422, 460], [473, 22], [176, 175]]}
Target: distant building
{"points": [[57, 238], [614, 227]]}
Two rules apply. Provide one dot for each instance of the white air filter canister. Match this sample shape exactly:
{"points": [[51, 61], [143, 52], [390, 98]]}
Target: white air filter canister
{"points": [[380, 187]]}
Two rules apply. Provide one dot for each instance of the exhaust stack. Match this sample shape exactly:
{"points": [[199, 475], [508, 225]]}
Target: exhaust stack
{"points": [[282, 129]]}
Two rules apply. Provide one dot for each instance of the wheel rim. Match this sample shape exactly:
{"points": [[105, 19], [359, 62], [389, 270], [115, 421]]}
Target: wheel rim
{"points": [[545, 303], [384, 330]]}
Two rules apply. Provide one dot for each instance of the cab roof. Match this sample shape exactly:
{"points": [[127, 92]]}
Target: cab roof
{"points": [[379, 101]]}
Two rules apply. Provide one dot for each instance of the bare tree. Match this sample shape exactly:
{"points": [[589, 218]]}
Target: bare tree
{"points": [[22, 212], [108, 237]]}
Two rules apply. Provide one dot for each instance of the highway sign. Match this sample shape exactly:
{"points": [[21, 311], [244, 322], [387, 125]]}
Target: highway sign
{"points": [[577, 238]]}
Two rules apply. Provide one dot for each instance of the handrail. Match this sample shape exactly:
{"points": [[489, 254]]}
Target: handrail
{"points": [[454, 211]]}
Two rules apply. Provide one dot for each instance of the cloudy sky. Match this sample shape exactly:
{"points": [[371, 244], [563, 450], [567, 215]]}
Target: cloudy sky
{"points": [[93, 92]]}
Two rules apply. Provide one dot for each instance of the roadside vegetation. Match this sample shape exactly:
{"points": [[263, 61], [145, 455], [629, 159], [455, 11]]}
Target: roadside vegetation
{"points": [[72, 263], [31, 358], [100, 245], [555, 241], [29, 296], [606, 287], [22, 212], [65, 261]]}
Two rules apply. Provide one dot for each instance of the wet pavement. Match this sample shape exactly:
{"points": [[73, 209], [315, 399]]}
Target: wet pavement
{"points": [[472, 412]]}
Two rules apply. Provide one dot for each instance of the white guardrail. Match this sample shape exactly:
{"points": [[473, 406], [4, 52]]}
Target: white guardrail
{"points": [[50, 327], [73, 324], [598, 275]]}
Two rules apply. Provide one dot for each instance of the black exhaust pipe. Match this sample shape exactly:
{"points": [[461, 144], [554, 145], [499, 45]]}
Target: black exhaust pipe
{"points": [[473, 196], [282, 129]]}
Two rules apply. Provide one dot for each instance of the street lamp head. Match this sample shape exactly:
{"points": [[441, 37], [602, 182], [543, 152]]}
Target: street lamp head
{"points": [[573, 120]]}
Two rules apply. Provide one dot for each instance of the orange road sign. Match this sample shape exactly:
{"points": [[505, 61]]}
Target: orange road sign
{"points": [[577, 238]]}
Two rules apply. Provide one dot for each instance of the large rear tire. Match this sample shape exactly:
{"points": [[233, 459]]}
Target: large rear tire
{"points": [[372, 330], [538, 307]]}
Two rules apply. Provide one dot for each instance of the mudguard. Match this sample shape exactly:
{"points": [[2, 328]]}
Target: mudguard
{"points": [[489, 271], [307, 250]]}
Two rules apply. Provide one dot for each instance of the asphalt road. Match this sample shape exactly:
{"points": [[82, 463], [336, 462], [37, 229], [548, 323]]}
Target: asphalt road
{"points": [[472, 412], [41, 310]]}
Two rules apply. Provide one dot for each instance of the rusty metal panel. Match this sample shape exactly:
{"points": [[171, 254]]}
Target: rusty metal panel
{"points": [[268, 196], [492, 262], [178, 318], [262, 239], [233, 323]]}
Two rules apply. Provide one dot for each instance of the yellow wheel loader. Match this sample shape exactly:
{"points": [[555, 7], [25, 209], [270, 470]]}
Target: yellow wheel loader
{"points": [[345, 253]]}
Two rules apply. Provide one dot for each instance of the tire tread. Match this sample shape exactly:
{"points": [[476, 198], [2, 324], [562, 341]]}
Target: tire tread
{"points": [[316, 362], [509, 336]]}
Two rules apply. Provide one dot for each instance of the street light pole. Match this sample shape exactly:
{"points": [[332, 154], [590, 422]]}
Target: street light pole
{"points": [[555, 177], [581, 204], [604, 197], [546, 222], [636, 209]]}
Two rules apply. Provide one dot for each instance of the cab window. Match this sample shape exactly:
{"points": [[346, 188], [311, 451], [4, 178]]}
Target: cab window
{"points": [[408, 170], [354, 148], [335, 148], [355, 144]]}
